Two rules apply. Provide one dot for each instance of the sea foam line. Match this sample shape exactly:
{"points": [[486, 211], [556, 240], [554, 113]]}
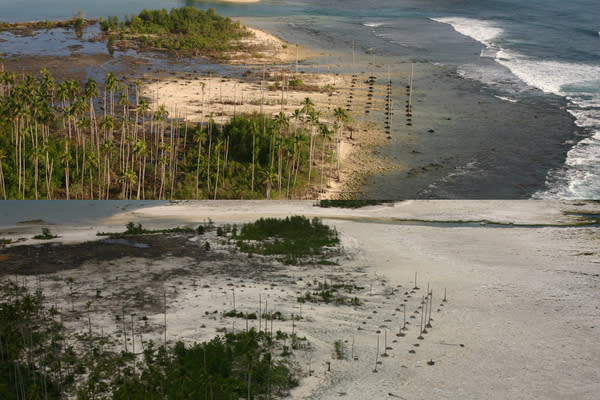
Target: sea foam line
{"points": [[482, 31]]}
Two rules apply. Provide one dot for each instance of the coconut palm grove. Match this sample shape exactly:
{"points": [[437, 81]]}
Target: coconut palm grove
{"points": [[101, 140]]}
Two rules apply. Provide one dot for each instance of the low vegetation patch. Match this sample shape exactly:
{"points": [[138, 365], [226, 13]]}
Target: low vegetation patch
{"points": [[45, 235], [294, 237], [185, 28], [327, 293]]}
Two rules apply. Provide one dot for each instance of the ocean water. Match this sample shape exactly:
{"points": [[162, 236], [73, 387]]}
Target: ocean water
{"points": [[538, 58]]}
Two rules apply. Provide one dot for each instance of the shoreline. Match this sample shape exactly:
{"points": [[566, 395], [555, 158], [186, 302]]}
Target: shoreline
{"points": [[516, 297], [449, 151]]}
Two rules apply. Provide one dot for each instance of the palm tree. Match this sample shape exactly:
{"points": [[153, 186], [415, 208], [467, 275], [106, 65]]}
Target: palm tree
{"points": [[107, 123], [307, 107], [65, 158], [107, 149], [130, 179], [90, 92], [91, 161], [326, 135], [124, 150], [254, 129], [47, 85], [282, 123], [110, 85], [218, 146], [141, 150], [298, 118], [165, 148], [142, 108], [36, 155], [314, 121], [268, 178], [199, 137], [341, 117]]}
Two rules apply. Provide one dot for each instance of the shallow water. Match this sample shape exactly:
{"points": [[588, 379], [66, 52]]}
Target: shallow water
{"points": [[72, 212]]}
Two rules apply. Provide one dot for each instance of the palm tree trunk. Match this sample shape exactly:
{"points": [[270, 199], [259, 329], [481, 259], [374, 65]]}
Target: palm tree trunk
{"points": [[217, 175], [208, 159], [198, 170]]}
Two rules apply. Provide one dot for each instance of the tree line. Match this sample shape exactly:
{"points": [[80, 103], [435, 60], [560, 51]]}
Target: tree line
{"points": [[101, 140]]}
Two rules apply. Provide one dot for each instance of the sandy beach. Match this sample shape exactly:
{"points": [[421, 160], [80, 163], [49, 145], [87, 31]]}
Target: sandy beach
{"points": [[519, 322]]}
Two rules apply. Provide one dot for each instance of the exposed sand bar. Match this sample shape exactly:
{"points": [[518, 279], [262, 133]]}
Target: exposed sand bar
{"points": [[517, 212], [522, 301]]}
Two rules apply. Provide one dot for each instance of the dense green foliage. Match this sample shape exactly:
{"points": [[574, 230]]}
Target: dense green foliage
{"points": [[327, 293], [39, 361], [185, 28], [24, 330], [87, 141], [295, 237], [218, 369]]}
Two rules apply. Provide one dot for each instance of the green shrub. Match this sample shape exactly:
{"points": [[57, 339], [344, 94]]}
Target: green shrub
{"points": [[45, 235]]}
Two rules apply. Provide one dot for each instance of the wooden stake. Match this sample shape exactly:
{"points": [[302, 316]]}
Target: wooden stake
{"points": [[376, 354]]}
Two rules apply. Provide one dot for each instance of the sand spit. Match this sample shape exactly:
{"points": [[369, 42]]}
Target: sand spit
{"points": [[516, 212], [520, 320], [265, 48]]}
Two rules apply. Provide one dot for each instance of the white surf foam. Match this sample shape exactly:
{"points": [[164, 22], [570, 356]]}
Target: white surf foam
{"points": [[373, 24], [482, 31], [549, 76], [506, 99], [578, 83]]}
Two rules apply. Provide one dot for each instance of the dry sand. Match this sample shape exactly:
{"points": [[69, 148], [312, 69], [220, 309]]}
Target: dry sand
{"points": [[522, 300]]}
